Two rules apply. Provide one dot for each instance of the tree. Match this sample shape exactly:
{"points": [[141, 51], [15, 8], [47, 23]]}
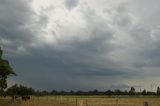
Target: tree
{"points": [[109, 92], [158, 90], [132, 91], [5, 72], [144, 92], [20, 90], [118, 92]]}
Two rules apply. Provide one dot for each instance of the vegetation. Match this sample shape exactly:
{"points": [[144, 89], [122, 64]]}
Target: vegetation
{"points": [[158, 90], [5, 71], [82, 101], [19, 90], [23, 90]]}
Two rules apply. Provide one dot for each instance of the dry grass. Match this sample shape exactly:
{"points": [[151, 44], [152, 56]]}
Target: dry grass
{"points": [[81, 101]]}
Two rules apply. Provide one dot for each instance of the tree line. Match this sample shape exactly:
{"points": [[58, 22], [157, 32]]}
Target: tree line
{"points": [[24, 90]]}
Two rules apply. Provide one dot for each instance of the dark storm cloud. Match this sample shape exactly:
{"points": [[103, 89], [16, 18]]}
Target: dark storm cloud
{"points": [[14, 16], [114, 48], [79, 58], [82, 59], [18, 27], [122, 86]]}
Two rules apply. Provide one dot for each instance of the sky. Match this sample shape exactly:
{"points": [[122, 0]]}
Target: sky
{"points": [[82, 44]]}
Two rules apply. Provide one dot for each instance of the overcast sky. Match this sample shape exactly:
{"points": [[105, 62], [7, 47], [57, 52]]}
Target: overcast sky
{"points": [[82, 44]]}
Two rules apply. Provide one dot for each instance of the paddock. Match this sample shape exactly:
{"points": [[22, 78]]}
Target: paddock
{"points": [[82, 101]]}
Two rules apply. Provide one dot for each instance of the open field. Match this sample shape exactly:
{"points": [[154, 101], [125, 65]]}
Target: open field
{"points": [[81, 101]]}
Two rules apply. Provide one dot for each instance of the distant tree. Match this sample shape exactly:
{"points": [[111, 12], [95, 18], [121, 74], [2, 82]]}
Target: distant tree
{"points": [[118, 92], [20, 90], [144, 92], [158, 90], [54, 92], [79, 93], [13, 90], [5, 71], [43, 93], [71, 92], [151, 93], [132, 91], [109, 92], [95, 92], [125, 92]]}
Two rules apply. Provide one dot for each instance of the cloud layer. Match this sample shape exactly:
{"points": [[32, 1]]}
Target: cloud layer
{"points": [[81, 44]]}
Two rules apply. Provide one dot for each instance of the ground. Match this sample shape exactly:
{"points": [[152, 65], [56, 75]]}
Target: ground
{"points": [[81, 101]]}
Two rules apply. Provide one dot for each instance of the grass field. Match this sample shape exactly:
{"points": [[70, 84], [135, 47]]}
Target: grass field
{"points": [[81, 101]]}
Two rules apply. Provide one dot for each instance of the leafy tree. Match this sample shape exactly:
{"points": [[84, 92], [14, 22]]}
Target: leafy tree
{"points": [[151, 93], [144, 92], [118, 92], [5, 71], [20, 90], [54, 92], [13, 90], [109, 92], [95, 92], [132, 91]]}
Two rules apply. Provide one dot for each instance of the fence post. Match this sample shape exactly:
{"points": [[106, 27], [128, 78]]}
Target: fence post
{"points": [[76, 102], [61, 99], [86, 103], [116, 102], [81, 103]]}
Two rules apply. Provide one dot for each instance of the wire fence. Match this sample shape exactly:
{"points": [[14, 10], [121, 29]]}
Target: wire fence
{"points": [[67, 101]]}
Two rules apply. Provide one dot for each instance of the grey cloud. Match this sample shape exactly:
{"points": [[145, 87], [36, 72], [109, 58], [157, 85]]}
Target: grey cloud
{"points": [[18, 25], [14, 18], [79, 58], [83, 59], [92, 62], [70, 4], [122, 16], [122, 86], [43, 16], [140, 46], [144, 47], [147, 11]]}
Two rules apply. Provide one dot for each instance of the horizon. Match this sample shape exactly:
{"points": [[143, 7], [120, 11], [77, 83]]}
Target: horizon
{"points": [[82, 44]]}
